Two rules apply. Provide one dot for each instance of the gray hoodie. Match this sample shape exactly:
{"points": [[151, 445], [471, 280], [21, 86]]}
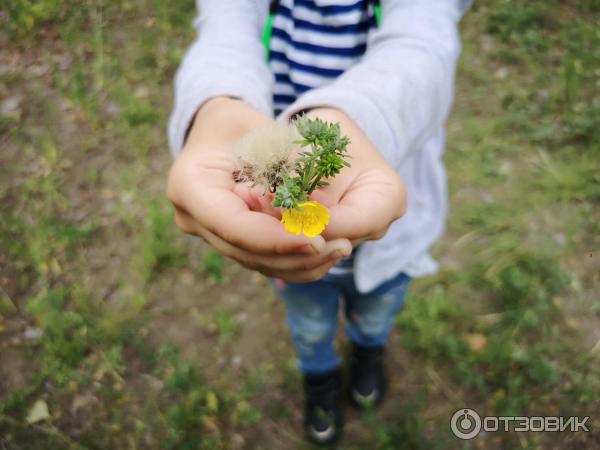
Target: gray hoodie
{"points": [[399, 94]]}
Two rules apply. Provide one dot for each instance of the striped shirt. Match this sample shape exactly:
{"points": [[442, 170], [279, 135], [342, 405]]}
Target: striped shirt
{"points": [[312, 43], [315, 41]]}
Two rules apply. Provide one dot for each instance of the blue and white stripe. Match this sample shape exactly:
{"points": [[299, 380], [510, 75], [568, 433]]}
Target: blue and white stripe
{"points": [[315, 41]]}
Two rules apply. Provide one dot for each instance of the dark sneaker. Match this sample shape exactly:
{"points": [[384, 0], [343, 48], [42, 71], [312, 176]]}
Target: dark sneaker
{"points": [[367, 376], [323, 419]]}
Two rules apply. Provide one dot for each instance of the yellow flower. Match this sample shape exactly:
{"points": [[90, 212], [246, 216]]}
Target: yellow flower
{"points": [[310, 220]]}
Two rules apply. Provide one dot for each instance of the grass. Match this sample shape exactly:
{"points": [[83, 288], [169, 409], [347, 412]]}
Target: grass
{"points": [[134, 336]]}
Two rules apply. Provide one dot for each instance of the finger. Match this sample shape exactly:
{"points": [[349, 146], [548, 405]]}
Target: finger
{"points": [[257, 232], [366, 209], [225, 214], [301, 276], [335, 249], [300, 263]]}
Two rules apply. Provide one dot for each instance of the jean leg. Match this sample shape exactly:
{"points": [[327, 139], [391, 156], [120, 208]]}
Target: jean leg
{"points": [[370, 317], [312, 310]]}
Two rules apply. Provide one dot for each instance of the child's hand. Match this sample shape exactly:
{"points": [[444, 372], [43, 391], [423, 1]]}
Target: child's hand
{"points": [[365, 199], [207, 203]]}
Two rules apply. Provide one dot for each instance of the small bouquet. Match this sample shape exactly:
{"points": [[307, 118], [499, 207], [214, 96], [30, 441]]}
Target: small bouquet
{"points": [[272, 157]]}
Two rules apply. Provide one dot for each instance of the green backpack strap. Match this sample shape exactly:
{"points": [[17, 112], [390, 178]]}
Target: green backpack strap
{"points": [[378, 14], [266, 37]]}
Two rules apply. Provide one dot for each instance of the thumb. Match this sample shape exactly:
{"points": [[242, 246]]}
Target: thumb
{"points": [[361, 216]]}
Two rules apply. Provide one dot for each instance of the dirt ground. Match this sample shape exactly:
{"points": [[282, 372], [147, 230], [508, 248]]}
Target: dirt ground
{"points": [[125, 329]]}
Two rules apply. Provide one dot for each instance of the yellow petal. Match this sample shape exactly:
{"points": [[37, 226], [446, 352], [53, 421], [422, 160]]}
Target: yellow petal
{"points": [[310, 220], [290, 222]]}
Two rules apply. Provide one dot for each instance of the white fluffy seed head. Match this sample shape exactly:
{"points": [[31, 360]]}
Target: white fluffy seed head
{"points": [[267, 145], [263, 157]]}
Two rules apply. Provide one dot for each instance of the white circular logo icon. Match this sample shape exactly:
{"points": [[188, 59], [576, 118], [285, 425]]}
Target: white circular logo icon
{"points": [[465, 424]]}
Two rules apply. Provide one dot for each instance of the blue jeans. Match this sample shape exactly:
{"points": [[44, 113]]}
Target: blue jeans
{"points": [[312, 315]]}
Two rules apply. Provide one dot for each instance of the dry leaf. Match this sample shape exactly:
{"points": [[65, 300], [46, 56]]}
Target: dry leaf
{"points": [[38, 412], [476, 341]]}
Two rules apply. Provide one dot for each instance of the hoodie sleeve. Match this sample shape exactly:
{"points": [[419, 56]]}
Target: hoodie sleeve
{"points": [[226, 59], [400, 92]]}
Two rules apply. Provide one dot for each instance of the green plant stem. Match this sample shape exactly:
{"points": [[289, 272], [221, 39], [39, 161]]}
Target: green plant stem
{"points": [[314, 185], [307, 175]]}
